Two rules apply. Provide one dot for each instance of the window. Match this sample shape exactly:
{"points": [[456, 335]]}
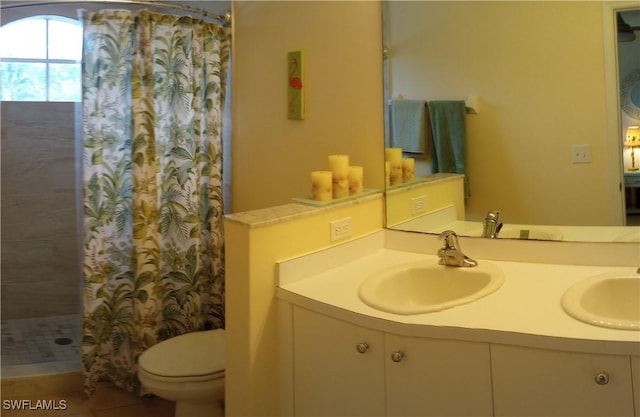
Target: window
{"points": [[40, 59]]}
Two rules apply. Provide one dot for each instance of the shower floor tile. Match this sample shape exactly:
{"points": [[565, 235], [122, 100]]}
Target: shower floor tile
{"points": [[39, 346]]}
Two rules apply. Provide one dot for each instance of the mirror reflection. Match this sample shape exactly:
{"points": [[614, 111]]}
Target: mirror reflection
{"points": [[542, 144]]}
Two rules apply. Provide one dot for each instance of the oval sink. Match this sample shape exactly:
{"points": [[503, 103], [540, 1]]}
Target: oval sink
{"points": [[605, 301], [419, 287]]}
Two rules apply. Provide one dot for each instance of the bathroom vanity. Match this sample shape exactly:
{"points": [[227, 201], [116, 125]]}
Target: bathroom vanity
{"points": [[512, 352]]}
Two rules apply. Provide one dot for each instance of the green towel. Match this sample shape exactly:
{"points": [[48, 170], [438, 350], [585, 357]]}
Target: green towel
{"points": [[408, 122], [449, 138]]}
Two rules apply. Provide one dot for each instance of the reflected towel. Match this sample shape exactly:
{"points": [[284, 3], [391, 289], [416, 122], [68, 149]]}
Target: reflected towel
{"points": [[408, 121], [448, 126]]}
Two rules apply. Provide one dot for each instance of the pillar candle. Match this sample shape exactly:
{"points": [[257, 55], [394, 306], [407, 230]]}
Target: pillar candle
{"points": [[339, 167], [387, 173], [408, 169], [355, 180], [321, 187], [394, 157]]}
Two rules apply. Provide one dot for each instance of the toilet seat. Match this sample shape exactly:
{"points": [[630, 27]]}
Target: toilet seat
{"points": [[190, 357]]}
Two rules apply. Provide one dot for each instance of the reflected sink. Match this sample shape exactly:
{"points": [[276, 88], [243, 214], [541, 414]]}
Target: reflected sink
{"points": [[421, 287], [633, 236], [522, 232], [606, 301], [536, 233]]}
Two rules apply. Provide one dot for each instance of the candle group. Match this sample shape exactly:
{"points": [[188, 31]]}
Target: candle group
{"points": [[396, 168], [341, 180]]}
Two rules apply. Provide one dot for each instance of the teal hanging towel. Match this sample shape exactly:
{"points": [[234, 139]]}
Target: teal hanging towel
{"points": [[448, 126]]}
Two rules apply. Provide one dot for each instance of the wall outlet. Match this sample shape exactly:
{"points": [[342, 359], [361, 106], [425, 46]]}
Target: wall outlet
{"points": [[418, 204], [580, 154], [340, 229]]}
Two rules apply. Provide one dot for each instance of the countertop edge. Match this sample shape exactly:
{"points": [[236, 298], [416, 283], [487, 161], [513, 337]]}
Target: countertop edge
{"points": [[491, 336]]}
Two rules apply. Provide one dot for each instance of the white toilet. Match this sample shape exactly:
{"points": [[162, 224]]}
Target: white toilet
{"points": [[187, 369]]}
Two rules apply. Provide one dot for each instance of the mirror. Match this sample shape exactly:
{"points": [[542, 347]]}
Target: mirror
{"points": [[540, 73]]}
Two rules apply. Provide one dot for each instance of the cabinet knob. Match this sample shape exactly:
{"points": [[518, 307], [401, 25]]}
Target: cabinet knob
{"points": [[602, 378], [362, 347], [397, 356]]}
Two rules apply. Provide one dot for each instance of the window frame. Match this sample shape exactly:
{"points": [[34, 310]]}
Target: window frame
{"points": [[46, 60]]}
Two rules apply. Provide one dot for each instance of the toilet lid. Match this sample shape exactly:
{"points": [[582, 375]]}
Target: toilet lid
{"points": [[190, 354]]}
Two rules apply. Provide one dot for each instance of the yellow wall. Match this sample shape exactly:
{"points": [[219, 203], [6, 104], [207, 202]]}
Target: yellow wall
{"points": [[273, 156], [251, 325], [538, 70]]}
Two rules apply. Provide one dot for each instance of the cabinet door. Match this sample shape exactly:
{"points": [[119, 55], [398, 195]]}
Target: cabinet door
{"points": [[551, 383], [437, 377], [335, 373]]}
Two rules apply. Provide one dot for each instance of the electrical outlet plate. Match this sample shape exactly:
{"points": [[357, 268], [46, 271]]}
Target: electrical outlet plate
{"points": [[340, 229], [418, 204], [580, 154]]}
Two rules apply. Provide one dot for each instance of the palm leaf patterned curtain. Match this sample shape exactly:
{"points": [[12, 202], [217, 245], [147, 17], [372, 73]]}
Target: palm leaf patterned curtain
{"points": [[153, 95]]}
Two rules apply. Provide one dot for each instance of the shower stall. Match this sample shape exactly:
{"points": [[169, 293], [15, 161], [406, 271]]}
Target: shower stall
{"points": [[41, 281], [41, 216]]}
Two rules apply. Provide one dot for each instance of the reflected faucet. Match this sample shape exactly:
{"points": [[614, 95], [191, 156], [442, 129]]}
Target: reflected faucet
{"points": [[491, 224], [450, 254]]}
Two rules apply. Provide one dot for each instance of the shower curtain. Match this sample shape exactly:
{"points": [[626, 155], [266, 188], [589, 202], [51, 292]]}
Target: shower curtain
{"points": [[153, 95]]}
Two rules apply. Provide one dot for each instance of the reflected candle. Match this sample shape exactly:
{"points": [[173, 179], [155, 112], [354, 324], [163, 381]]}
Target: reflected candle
{"points": [[387, 173], [408, 169], [394, 157]]}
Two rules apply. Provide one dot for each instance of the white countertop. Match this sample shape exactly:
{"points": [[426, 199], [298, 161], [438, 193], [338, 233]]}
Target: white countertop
{"points": [[525, 311]]}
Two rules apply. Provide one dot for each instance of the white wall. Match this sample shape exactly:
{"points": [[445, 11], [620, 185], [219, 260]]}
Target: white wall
{"points": [[538, 69]]}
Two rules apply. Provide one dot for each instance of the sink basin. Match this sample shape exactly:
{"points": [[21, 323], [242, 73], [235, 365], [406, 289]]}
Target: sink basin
{"points": [[421, 287], [536, 233], [606, 301]]}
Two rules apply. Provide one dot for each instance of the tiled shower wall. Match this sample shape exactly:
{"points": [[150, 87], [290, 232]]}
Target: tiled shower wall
{"points": [[39, 239]]}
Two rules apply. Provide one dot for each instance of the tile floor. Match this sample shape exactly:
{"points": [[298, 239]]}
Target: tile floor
{"points": [[40, 370], [40, 346]]}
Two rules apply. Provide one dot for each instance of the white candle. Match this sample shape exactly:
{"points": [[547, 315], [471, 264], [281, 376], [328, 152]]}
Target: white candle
{"points": [[408, 169], [394, 157], [321, 188], [355, 180], [339, 167]]}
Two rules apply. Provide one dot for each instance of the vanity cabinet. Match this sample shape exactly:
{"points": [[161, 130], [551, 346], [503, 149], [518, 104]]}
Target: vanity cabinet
{"points": [[432, 377], [338, 367], [341, 369], [552, 383]]}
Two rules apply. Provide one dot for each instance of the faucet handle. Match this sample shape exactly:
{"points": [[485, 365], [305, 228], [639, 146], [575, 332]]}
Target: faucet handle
{"points": [[493, 215]]}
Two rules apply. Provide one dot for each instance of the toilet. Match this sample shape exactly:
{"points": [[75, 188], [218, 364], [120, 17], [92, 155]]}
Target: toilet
{"points": [[187, 369]]}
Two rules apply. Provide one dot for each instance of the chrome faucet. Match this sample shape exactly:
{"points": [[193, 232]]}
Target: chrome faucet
{"points": [[491, 224], [450, 254]]}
